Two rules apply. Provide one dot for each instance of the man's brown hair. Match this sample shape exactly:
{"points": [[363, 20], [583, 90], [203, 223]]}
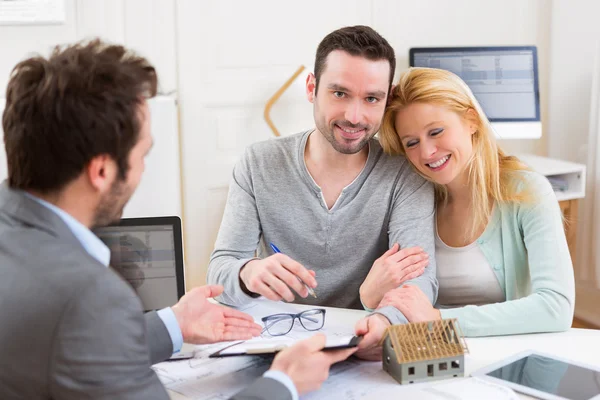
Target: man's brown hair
{"points": [[81, 102], [357, 40]]}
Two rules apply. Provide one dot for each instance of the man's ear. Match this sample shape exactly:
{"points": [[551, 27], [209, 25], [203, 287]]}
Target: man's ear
{"points": [[311, 87], [101, 172]]}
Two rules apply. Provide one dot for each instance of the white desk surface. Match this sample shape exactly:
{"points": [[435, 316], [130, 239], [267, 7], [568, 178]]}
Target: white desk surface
{"points": [[581, 345]]}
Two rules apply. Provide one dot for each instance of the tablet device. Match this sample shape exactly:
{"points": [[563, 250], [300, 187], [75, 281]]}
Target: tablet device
{"points": [[272, 346], [545, 376]]}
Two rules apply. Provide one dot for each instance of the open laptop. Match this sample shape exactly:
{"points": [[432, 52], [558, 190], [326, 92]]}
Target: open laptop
{"points": [[148, 253]]}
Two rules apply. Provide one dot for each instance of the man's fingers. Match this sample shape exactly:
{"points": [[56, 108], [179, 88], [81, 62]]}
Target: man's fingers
{"points": [[264, 290], [210, 290], [242, 323], [335, 356], [279, 287], [238, 334], [233, 313], [297, 269], [314, 343], [291, 280]]}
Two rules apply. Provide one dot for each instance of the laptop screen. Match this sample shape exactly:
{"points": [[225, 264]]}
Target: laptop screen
{"points": [[148, 257]]}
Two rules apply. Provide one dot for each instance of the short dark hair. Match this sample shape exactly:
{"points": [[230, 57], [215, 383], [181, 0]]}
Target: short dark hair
{"points": [[356, 40], [81, 102]]}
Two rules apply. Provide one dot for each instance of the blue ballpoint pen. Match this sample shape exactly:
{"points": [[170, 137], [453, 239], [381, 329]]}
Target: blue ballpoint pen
{"points": [[310, 290]]}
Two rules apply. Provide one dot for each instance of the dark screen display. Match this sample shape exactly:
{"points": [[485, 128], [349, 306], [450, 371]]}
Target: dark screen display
{"points": [[551, 376], [145, 257]]}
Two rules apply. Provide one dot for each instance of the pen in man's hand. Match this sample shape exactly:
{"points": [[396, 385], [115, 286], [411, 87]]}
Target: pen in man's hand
{"points": [[310, 290]]}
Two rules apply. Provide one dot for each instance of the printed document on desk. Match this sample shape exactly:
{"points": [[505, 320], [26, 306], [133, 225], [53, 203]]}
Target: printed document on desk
{"points": [[270, 346], [340, 336], [262, 307], [204, 378], [221, 378]]}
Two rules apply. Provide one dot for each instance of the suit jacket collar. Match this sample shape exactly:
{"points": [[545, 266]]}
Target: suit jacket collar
{"points": [[20, 207]]}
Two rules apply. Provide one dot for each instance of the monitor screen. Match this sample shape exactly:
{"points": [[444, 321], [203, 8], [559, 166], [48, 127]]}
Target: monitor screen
{"points": [[503, 79], [147, 256]]}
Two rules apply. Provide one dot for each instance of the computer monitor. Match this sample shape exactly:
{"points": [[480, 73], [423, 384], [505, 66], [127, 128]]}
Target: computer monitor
{"points": [[148, 254], [503, 79]]}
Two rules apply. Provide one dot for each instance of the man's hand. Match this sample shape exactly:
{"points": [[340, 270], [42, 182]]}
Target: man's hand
{"points": [[306, 364], [204, 322], [372, 329], [412, 302], [273, 277], [391, 270]]}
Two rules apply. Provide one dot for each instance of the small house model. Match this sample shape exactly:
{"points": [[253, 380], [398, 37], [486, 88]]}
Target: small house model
{"points": [[424, 351]]}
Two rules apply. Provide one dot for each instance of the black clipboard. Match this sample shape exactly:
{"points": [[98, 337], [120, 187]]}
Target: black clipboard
{"points": [[272, 350]]}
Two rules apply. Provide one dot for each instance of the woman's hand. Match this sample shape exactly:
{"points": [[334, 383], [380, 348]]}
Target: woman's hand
{"points": [[371, 329], [391, 270], [412, 302]]}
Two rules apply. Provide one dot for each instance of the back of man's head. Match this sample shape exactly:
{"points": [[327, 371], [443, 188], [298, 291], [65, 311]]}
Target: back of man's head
{"points": [[357, 40], [62, 111]]}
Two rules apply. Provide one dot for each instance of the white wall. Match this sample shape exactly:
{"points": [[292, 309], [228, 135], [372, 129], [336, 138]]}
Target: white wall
{"points": [[575, 34], [574, 45], [148, 26], [227, 57], [20, 40]]}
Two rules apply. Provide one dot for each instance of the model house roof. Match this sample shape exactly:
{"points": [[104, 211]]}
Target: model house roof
{"points": [[424, 341]]}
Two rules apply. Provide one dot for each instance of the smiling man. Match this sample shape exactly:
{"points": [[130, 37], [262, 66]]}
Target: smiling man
{"points": [[335, 205]]}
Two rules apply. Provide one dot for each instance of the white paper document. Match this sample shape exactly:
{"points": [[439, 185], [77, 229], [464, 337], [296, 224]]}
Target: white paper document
{"points": [[261, 308], [204, 378], [466, 389], [262, 345]]}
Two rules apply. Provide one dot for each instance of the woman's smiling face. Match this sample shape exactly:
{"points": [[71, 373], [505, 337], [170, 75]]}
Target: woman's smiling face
{"points": [[437, 141]]}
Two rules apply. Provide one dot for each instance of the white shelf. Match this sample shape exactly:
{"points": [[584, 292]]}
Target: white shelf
{"points": [[572, 173]]}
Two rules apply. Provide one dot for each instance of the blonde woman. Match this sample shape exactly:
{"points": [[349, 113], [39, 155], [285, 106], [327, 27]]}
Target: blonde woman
{"points": [[503, 264]]}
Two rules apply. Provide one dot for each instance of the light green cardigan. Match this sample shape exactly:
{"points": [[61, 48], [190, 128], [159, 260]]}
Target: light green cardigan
{"points": [[525, 244]]}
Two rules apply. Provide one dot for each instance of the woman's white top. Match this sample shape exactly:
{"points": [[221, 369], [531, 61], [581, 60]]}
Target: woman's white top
{"points": [[465, 276]]}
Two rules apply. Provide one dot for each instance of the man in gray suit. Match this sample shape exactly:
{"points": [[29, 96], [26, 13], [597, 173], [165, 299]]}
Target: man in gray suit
{"points": [[76, 131]]}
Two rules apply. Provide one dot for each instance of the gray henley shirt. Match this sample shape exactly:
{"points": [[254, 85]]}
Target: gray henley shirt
{"points": [[273, 198]]}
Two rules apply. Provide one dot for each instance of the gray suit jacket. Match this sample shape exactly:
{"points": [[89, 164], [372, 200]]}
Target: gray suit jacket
{"points": [[71, 328]]}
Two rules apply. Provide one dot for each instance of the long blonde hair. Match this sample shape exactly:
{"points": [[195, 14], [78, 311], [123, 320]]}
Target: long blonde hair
{"points": [[490, 171]]}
